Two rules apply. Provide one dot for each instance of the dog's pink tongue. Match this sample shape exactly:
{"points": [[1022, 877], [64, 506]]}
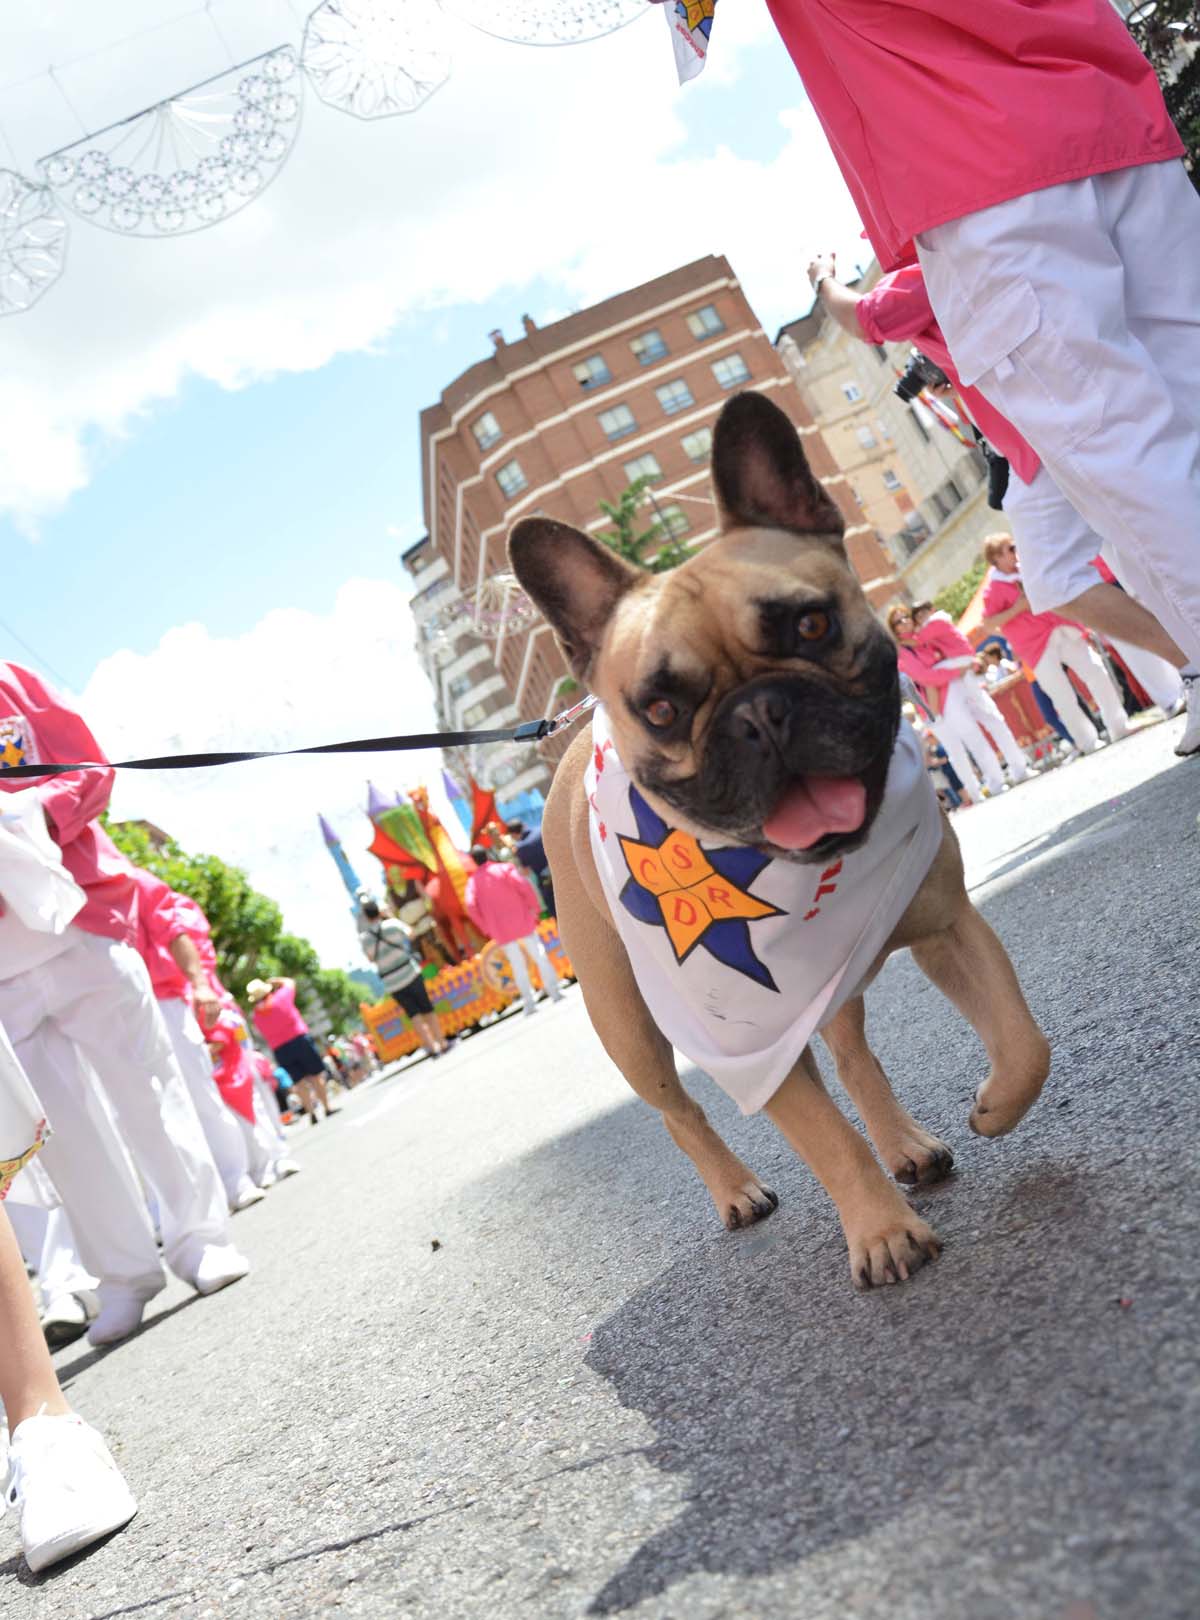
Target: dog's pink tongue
{"points": [[812, 809]]}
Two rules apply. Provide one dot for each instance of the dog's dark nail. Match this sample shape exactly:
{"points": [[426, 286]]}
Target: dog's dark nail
{"points": [[772, 1198], [734, 1220]]}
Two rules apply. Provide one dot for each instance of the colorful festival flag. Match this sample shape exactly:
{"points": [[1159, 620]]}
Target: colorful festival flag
{"points": [[690, 22]]}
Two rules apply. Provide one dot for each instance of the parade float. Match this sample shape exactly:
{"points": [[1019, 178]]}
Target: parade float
{"points": [[425, 873]]}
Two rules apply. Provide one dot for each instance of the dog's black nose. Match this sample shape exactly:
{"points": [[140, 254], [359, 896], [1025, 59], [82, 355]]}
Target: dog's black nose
{"points": [[761, 720]]}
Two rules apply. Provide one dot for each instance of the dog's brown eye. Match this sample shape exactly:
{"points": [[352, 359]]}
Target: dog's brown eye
{"points": [[813, 626], [661, 713]]}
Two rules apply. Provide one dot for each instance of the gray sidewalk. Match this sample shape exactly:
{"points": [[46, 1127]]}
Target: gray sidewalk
{"points": [[589, 1399]]}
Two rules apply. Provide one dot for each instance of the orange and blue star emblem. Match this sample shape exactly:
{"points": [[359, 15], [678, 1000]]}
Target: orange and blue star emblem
{"points": [[699, 896], [12, 743], [697, 14]]}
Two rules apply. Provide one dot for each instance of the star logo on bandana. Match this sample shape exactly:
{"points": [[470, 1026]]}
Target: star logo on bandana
{"points": [[12, 744], [698, 895]]}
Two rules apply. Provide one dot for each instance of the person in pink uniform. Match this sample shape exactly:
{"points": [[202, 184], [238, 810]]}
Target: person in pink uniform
{"points": [[189, 1004], [501, 903], [93, 996], [279, 1022], [943, 664], [1024, 153], [1046, 642], [1058, 548]]}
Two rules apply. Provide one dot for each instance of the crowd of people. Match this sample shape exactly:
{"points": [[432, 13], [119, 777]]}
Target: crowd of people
{"points": [[137, 1110]]}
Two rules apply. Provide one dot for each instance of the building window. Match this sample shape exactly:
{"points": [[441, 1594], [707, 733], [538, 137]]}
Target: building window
{"points": [[476, 713], [618, 422], [674, 519], [730, 370], [486, 430], [697, 446], [648, 347], [890, 481], [852, 392], [866, 438], [643, 467], [461, 684], [674, 396], [592, 372], [510, 478], [705, 322]]}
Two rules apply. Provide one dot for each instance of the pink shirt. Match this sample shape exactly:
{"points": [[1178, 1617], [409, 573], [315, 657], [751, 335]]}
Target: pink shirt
{"points": [[277, 1018], [501, 903], [938, 108], [936, 639], [37, 728], [195, 926], [233, 1070], [897, 310], [159, 923], [1026, 633]]}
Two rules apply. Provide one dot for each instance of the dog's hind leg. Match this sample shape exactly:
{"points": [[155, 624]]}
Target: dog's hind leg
{"points": [[971, 968], [909, 1152]]}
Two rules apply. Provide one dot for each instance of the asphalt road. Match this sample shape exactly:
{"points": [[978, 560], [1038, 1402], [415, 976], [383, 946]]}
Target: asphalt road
{"points": [[588, 1399]]}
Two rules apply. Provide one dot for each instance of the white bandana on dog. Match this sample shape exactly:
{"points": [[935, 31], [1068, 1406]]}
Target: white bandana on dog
{"points": [[739, 957]]}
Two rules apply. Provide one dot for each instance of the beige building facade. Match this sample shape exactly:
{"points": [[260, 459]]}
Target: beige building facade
{"points": [[917, 484], [569, 415]]}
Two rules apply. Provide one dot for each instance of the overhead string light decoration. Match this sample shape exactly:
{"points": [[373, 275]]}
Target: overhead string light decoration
{"points": [[33, 242], [187, 162], [376, 58], [498, 607], [547, 22]]}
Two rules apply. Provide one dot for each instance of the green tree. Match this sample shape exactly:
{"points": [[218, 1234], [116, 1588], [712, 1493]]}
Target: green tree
{"points": [[1169, 33], [247, 927], [631, 541], [956, 598]]}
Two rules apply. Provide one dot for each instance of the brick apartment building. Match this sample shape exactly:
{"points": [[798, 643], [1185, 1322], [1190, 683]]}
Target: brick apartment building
{"points": [[570, 415]]}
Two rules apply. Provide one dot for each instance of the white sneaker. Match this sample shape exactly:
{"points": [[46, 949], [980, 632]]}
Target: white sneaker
{"points": [[67, 1316], [248, 1194], [118, 1317], [285, 1167], [219, 1265], [1189, 741], [66, 1487]]}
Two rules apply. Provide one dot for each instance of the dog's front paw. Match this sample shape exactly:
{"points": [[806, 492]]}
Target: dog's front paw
{"points": [[916, 1159], [1010, 1091], [888, 1245], [745, 1203]]}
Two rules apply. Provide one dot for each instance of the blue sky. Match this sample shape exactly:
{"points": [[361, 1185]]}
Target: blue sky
{"points": [[209, 462]]}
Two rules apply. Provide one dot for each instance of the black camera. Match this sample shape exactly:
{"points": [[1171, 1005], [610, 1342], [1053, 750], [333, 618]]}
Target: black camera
{"points": [[920, 372]]}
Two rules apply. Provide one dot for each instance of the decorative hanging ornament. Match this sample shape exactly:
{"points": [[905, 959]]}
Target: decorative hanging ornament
{"points": [[376, 58], [33, 242], [190, 161], [540, 22]]}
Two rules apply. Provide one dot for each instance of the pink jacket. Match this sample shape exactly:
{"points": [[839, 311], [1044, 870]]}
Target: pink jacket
{"points": [[936, 639], [159, 923], [1026, 633], [938, 108], [501, 903], [897, 310], [37, 728]]}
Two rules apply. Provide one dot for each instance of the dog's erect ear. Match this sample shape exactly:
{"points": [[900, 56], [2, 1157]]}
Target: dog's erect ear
{"points": [[761, 476], [576, 581]]}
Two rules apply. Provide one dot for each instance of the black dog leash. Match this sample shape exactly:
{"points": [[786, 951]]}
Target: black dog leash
{"points": [[528, 731]]}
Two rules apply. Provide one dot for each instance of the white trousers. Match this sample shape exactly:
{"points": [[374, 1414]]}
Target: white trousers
{"points": [[516, 961], [1160, 679], [965, 704], [1071, 647], [88, 1162], [48, 1246], [98, 994], [1075, 310], [218, 1122]]}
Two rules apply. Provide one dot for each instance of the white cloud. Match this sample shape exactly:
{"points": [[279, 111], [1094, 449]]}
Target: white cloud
{"points": [[296, 678], [562, 164]]}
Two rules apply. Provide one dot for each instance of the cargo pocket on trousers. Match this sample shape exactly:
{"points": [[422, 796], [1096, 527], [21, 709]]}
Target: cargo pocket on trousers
{"points": [[1012, 334]]}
